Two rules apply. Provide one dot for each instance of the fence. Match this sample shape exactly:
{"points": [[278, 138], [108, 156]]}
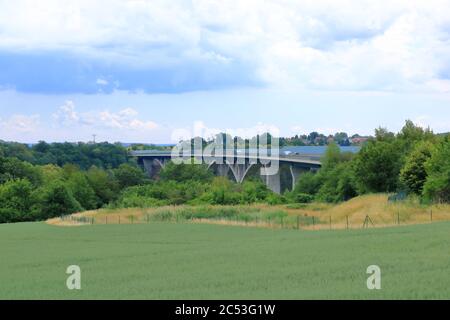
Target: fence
{"points": [[260, 220]]}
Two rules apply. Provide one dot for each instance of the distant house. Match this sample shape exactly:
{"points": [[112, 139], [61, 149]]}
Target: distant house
{"points": [[358, 140]]}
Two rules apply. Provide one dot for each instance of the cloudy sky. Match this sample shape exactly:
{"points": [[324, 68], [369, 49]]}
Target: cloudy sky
{"points": [[153, 71]]}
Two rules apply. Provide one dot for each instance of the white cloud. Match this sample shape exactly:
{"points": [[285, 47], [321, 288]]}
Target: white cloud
{"points": [[66, 113], [125, 119], [102, 82], [20, 123], [320, 44]]}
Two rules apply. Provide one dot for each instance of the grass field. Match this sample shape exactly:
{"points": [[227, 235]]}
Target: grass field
{"points": [[204, 261]]}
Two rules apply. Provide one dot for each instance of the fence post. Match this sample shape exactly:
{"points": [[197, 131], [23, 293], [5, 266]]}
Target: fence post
{"points": [[119, 219], [106, 219], [298, 222], [398, 218], [431, 215], [92, 221], [282, 222], [347, 222], [330, 222]]}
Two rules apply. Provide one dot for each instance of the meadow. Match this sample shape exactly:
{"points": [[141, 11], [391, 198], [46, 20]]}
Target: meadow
{"points": [[351, 214], [166, 260]]}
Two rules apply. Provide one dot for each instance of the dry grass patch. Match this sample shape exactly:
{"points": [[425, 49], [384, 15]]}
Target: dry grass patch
{"points": [[315, 216]]}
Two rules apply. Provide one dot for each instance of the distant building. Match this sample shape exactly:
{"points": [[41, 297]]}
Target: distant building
{"points": [[358, 140]]}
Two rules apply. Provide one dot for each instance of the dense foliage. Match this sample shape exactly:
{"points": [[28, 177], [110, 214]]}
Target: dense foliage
{"points": [[84, 155], [414, 161], [32, 192], [48, 180]]}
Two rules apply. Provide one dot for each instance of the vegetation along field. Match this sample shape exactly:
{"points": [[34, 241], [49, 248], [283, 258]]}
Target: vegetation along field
{"points": [[202, 261], [369, 211]]}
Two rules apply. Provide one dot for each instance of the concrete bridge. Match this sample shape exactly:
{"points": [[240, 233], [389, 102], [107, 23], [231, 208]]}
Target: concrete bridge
{"points": [[241, 164]]}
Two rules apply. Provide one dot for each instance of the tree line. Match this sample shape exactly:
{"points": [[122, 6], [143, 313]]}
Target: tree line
{"points": [[48, 180], [414, 162]]}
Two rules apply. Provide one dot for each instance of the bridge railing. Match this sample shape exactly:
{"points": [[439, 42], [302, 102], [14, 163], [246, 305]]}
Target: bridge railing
{"points": [[149, 153]]}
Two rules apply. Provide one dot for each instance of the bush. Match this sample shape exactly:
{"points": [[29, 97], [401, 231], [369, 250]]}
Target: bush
{"points": [[186, 172], [275, 199], [302, 198], [253, 191], [222, 191]]}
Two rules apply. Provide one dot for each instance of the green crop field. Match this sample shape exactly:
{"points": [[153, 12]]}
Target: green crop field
{"points": [[203, 261]]}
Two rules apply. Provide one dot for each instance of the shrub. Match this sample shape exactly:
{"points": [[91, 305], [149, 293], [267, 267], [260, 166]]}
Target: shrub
{"points": [[186, 172], [302, 198]]}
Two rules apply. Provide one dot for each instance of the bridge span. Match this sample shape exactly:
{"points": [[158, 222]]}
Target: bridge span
{"points": [[240, 165]]}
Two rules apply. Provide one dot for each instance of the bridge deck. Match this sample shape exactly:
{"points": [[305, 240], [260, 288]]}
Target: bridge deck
{"points": [[312, 159]]}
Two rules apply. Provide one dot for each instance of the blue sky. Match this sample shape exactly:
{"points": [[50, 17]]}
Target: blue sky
{"points": [[155, 71]]}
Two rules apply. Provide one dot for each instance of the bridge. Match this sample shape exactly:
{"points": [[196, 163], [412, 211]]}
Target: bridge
{"points": [[241, 163]]}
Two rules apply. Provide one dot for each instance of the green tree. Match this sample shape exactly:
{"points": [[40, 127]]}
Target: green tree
{"points": [[83, 192], [309, 183], [16, 201], [437, 185], [332, 157], [383, 134], [338, 184], [104, 185], [13, 168], [56, 200], [412, 134], [51, 172], [128, 175], [377, 166], [413, 173]]}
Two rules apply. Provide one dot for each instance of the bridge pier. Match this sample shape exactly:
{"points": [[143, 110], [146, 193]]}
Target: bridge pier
{"points": [[273, 182], [154, 166], [295, 173], [240, 170], [223, 169]]}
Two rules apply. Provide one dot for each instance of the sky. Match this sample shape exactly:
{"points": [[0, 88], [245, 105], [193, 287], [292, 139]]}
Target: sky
{"points": [[157, 71]]}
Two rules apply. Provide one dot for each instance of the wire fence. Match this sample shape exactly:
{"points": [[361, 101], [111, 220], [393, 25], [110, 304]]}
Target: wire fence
{"points": [[298, 222]]}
